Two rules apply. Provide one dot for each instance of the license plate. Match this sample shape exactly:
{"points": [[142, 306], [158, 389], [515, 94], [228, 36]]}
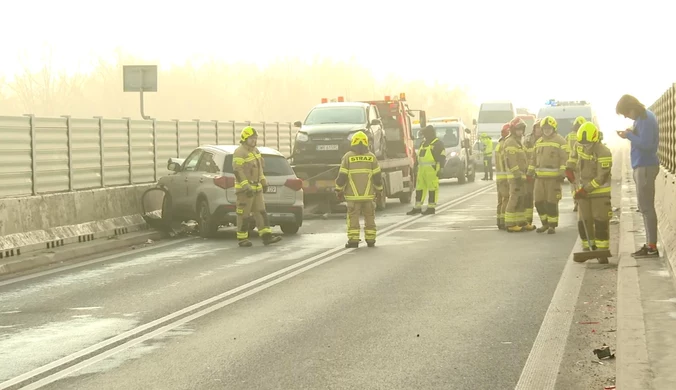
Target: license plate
{"points": [[271, 190], [327, 147], [325, 183]]}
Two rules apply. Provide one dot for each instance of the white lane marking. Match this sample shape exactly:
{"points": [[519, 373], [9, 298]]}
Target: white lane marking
{"points": [[93, 261], [331, 254], [542, 367]]}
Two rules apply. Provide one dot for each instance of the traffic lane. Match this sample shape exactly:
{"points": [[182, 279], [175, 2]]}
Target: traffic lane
{"points": [[434, 306], [82, 306]]}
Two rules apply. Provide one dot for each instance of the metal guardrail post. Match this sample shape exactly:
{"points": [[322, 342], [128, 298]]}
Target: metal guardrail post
{"points": [[234, 138], [277, 128], [264, 132], [290, 139], [102, 158], [178, 140], [218, 133], [69, 146], [154, 121], [198, 132], [131, 177], [31, 121]]}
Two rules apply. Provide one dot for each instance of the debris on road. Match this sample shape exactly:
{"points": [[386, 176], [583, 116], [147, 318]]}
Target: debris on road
{"points": [[604, 352]]}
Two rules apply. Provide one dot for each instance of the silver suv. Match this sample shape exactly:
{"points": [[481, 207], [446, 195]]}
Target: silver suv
{"points": [[202, 188]]}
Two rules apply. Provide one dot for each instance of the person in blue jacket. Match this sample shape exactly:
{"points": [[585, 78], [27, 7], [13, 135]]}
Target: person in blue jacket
{"points": [[644, 138]]}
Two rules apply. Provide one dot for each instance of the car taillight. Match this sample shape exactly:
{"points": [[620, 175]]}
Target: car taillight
{"points": [[224, 182], [294, 184]]}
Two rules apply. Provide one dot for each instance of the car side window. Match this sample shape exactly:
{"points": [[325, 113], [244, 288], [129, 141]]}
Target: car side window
{"points": [[374, 113], [208, 164], [190, 163]]}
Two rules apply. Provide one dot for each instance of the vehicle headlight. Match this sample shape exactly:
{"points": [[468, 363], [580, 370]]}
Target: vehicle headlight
{"points": [[302, 137], [454, 154]]}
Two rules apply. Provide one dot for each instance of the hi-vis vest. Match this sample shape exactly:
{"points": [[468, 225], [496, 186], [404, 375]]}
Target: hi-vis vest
{"points": [[595, 168], [426, 157], [550, 157], [360, 169], [248, 164]]}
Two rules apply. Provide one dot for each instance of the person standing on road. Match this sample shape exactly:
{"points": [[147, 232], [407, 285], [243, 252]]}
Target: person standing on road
{"points": [[595, 162], [571, 139], [250, 184], [516, 164], [428, 165], [644, 137], [529, 144], [487, 147], [502, 177], [359, 182], [548, 165]]}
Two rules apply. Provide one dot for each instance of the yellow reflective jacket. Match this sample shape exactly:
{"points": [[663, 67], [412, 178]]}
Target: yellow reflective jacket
{"points": [[248, 165], [515, 160], [359, 177], [550, 157], [594, 169]]}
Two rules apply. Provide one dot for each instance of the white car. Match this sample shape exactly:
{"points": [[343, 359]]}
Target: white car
{"points": [[202, 188]]}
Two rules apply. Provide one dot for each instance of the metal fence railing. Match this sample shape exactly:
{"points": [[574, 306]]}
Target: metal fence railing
{"points": [[47, 155], [665, 110]]}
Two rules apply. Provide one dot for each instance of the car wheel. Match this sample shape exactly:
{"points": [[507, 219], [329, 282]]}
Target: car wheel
{"points": [[462, 179], [289, 228], [207, 227], [472, 175]]}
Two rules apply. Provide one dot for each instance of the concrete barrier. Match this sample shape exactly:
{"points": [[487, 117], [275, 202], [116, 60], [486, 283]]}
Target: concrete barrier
{"points": [[665, 203], [47, 221]]}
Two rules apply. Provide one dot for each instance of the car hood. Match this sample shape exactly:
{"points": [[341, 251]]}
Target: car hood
{"points": [[332, 128]]}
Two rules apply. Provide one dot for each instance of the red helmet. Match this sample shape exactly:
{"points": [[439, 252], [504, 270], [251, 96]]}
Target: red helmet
{"points": [[505, 130], [517, 123]]}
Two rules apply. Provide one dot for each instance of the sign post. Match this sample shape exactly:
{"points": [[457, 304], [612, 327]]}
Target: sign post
{"points": [[140, 78]]}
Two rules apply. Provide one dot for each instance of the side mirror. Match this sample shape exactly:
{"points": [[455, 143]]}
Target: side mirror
{"points": [[297, 124], [423, 119], [474, 122], [375, 122], [173, 166]]}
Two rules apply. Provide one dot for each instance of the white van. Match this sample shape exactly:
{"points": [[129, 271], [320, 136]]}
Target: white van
{"points": [[492, 116], [566, 112]]}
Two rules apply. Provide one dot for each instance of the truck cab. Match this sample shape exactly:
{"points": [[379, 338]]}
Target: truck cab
{"points": [[325, 135]]}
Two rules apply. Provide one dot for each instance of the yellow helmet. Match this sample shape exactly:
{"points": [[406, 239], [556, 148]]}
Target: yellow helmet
{"points": [[579, 121], [588, 133], [549, 121], [359, 138], [247, 132]]}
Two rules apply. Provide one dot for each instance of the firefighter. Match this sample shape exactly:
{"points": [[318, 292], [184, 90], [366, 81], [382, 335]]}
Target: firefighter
{"points": [[359, 182], [594, 166], [250, 183], [428, 165], [549, 167], [572, 140], [487, 147], [516, 164], [502, 177], [529, 144]]}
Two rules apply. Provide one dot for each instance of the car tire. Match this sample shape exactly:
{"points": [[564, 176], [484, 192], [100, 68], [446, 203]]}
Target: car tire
{"points": [[207, 228], [472, 176], [462, 179], [289, 228]]}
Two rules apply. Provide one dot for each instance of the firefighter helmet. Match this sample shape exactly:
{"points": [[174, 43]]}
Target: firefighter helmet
{"points": [[505, 130], [359, 138], [549, 121], [588, 133], [247, 133], [517, 124]]}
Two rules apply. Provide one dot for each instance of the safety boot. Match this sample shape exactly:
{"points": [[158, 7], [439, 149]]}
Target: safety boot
{"points": [[414, 211], [529, 228], [371, 243], [270, 239], [515, 229], [429, 211], [245, 243], [551, 230], [352, 244], [542, 229]]}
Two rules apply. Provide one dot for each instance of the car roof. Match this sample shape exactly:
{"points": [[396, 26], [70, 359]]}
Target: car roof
{"points": [[230, 149], [343, 104]]}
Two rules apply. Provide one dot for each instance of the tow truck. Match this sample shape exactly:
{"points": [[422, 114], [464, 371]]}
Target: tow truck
{"points": [[319, 147]]}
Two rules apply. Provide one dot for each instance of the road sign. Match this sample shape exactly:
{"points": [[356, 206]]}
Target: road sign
{"points": [[140, 78]]}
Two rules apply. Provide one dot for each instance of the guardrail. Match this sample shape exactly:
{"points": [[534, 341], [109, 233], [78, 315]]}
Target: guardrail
{"points": [[665, 110], [46, 155]]}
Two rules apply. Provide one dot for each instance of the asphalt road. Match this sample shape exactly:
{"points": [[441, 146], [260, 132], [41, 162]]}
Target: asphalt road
{"points": [[443, 302]]}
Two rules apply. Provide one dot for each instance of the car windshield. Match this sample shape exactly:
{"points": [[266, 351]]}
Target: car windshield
{"points": [[274, 165], [495, 116], [325, 115], [449, 135]]}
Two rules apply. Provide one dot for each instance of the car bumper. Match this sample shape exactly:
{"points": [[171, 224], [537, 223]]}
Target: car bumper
{"points": [[309, 153], [452, 168], [277, 215]]}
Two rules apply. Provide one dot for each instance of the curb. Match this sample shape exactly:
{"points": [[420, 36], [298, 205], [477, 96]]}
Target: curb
{"points": [[633, 370], [76, 252]]}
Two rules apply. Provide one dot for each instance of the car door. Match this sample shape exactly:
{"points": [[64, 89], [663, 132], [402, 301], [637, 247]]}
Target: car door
{"points": [[201, 177], [179, 186]]}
